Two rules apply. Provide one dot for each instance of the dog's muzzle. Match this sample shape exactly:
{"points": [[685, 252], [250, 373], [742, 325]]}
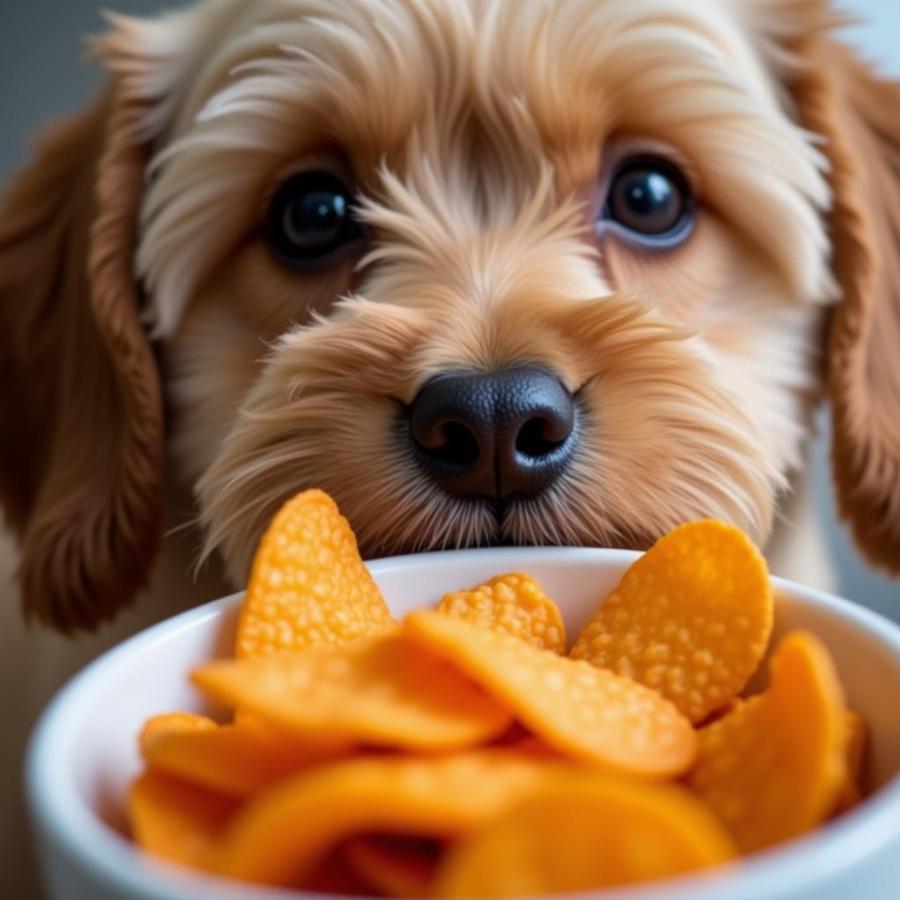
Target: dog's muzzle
{"points": [[495, 436]]}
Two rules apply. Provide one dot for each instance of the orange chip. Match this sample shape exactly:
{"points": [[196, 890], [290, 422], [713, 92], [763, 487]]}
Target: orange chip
{"points": [[279, 837], [514, 604], [178, 821], [309, 585], [234, 760], [690, 618], [584, 832], [384, 691], [394, 866], [584, 712], [773, 767], [852, 789]]}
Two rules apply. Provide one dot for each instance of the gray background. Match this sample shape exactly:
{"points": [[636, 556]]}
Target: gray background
{"points": [[42, 75]]}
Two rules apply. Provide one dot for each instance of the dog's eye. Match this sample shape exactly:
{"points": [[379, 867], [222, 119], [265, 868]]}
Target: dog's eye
{"points": [[650, 197], [311, 217]]}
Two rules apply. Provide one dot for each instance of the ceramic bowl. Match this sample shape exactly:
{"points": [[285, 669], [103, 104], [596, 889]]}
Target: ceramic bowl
{"points": [[84, 751]]}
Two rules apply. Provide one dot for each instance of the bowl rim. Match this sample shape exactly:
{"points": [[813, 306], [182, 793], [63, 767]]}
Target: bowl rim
{"points": [[60, 816]]}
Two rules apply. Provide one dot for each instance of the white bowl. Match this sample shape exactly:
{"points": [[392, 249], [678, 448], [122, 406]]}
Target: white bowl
{"points": [[83, 752]]}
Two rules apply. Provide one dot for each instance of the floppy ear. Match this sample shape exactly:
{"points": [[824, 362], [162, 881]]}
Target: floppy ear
{"points": [[81, 455], [858, 115], [80, 467]]}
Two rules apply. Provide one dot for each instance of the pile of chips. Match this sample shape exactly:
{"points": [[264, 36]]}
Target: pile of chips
{"points": [[461, 752]]}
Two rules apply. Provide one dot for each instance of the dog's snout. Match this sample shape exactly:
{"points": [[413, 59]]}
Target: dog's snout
{"points": [[494, 435]]}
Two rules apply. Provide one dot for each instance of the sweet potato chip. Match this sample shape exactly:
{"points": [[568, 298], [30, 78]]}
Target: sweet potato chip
{"points": [[851, 791], [234, 760], [773, 767], [394, 866], [584, 712], [514, 604], [690, 618], [308, 585], [585, 832], [177, 821], [462, 754], [279, 837], [384, 691]]}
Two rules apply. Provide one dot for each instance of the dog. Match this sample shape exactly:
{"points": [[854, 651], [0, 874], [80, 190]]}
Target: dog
{"points": [[487, 271]]}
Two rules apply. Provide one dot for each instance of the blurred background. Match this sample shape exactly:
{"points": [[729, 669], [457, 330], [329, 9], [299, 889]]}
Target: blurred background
{"points": [[43, 75]]}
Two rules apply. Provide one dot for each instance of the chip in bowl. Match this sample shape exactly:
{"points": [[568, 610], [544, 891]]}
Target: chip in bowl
{"points": [[461, 752]]}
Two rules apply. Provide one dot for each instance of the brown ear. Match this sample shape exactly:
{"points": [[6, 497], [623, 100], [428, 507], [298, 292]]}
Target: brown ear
{"points": [[80, 459], [859, 116]]}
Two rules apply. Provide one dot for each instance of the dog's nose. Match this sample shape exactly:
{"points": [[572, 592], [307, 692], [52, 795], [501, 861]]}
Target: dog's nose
{"points": [[495, 435]]}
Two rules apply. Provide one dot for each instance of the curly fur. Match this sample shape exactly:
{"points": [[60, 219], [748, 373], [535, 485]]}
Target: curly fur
{"points": [[479, 135]]}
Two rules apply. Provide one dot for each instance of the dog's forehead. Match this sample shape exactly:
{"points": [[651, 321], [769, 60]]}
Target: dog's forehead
{"points": [[371, 72]]}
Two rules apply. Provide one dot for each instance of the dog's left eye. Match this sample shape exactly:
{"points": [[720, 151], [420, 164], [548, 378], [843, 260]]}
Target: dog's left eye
{"points": [[311, 217], [651, 199]]}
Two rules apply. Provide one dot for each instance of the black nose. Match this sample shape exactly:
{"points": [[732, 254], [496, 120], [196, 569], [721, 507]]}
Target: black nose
{"points": [[494, 435]]}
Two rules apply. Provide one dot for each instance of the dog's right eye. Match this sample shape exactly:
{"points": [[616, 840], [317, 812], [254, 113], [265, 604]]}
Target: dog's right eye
{"points": [[311, 218]]}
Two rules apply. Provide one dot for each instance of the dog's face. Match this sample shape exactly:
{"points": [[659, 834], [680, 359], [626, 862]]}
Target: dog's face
{"points": [[487, 272], [584, 190]]}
